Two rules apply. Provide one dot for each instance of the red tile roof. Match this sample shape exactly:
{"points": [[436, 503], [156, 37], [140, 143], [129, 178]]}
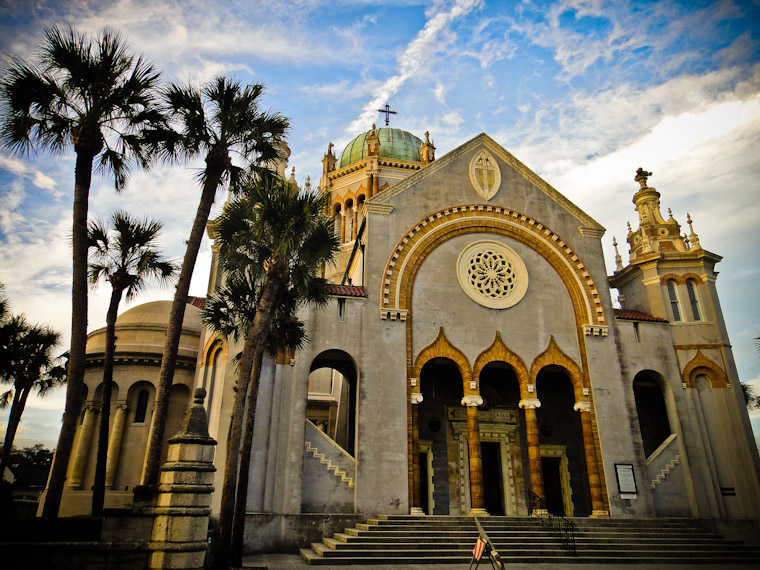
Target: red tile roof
{"points": [[630, 315], [199, 302], [347, 290]]}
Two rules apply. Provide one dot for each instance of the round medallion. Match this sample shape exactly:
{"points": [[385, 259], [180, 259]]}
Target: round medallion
{"points": [[492, 274]]}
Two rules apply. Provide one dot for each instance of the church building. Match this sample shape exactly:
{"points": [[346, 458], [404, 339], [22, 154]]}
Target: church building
{"points": [[470, 360]]}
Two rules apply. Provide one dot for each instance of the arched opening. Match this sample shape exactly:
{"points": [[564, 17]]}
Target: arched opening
{"points": [[503, 441], [348, 220], [675, 308], [560, 436], [332, 393], [691, 289], [651, 410], [212, 379], [442, 423], [336, 220], [140, 400]]}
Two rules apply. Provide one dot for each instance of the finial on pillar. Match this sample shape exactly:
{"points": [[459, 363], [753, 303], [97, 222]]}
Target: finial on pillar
{"points": [[199, 394], [630, 231], [618, 259], [670, 214], [641, 177], [693, 238], [685, 240], [427, 150], [307, 184]]}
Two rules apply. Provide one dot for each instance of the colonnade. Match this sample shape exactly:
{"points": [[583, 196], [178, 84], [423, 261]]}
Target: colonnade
{"points": [[475, 465]]}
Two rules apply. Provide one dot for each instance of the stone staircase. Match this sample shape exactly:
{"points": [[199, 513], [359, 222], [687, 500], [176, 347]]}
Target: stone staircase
{"points": [[402, 539]]}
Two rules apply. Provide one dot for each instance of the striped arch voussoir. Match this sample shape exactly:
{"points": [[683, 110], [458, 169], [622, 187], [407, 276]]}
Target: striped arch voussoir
{"points": [[442, 347], [426, 235], [498, 352], [553, 354], [700, 364]]}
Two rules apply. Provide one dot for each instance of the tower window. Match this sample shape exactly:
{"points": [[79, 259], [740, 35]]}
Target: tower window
{"points": [[674, 300], [142, 407], [341, 309], [691, 288], [636, 331]]}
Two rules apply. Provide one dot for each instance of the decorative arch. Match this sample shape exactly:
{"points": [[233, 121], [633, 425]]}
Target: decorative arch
{"points": [[553, 354], [442, 347], [700, 364], [498, 351], [681, 279], [429, 233]]}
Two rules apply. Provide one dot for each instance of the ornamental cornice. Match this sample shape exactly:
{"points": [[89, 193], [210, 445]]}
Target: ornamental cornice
{"points": [[472, 400], [378, 208], [529, 403], [582, 406]]}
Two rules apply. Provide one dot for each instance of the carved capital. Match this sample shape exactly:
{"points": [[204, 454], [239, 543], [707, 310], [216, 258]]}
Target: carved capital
{"points": [[582, 406], [530, 403], [472, 400], [416, 398]]}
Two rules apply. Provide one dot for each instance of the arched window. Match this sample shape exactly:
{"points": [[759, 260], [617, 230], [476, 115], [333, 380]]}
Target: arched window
{"points": [[674, 300], [141, 408], [337, 220], [692, 290], [211, 373]]}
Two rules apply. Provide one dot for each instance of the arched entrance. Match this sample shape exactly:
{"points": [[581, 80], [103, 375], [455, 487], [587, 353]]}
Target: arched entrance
{"points": [[442, 451], [504, 448], [332, 393], [563, 456]]}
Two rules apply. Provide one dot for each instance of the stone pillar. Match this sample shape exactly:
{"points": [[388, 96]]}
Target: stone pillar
{"points": [[355, 215], [342, 225], [83, 449], [416, 509], [477, 502], [182, 513], [114, 443], [592, 465], [375, 182], [534, 450]]}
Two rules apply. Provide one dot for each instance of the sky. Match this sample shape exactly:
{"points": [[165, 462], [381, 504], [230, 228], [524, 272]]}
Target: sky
{"points": [[582, 91]]}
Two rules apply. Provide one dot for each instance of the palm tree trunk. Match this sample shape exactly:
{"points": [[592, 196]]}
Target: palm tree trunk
{"points": [[99, 485], [177, 315], [241, 495], [82, 179], [255, 342], [14, 418]]}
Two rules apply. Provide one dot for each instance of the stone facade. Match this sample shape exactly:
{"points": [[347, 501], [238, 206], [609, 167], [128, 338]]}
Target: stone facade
{"points": [[471, 354]]}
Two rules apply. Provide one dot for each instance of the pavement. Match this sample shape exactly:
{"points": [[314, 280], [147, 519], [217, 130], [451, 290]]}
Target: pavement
{"points": [[295, 562]]}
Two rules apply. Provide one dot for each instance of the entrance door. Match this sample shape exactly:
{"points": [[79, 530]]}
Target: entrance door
{"points": [[553, 485], [492, 488]]}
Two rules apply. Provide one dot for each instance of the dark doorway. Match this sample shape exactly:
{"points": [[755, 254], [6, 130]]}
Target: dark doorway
{"points": [[553, 486], [424, 490], [491, 456]]}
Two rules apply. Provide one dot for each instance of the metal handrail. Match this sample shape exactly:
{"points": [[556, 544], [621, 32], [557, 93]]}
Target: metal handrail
{"points": [[558, 524]]}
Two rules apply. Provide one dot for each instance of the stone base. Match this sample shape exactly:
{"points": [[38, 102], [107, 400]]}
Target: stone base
{"points": [[478, 513], [417, 512], [540, 513], [599, 515]]}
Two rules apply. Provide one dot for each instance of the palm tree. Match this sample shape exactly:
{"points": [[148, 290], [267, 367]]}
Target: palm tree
{"points": [[29, 365], [92, 95], [127, 256], [281, 237], [221, 118]]}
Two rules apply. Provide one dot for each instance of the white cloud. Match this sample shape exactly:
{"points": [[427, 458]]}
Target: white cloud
{"points": [[45, 182], [414, 58]]}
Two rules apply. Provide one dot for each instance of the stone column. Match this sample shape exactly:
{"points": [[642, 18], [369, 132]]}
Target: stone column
{"points": [[477, 502], [534, 450], [592, 465], [416, 509], [182, 513], [114, 443], [355, 214], [83, 449], [369, 184], [342, 225], [375, 182]]}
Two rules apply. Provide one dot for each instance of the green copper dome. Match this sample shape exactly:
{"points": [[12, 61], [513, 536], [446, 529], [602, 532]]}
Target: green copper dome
{"points": [[394, 143]]}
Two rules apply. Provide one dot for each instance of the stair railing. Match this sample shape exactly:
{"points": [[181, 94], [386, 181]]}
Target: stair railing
{"points": [[558, 524]]}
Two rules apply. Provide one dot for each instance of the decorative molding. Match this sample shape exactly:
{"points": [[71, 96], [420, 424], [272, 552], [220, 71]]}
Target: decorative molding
{"points": [[530, 403], [427, 234], [597, 233], [393, 315], [378, 208], [582, 406], [700, 364], [416, 398], [595, 330], [441, 346], [553, 355], [472, 400], [498, 352]]}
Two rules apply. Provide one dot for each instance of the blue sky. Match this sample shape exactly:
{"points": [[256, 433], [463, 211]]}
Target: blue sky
{"points": [[583, 92]]}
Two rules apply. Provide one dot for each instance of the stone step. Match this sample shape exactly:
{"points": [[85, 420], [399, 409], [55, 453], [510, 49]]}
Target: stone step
{"points": [[455, 534]]}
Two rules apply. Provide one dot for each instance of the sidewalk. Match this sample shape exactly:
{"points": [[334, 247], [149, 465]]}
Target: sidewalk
{"points": [[295, 562]]}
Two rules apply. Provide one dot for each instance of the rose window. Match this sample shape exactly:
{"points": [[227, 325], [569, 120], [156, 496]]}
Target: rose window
{"points": [[492, 274]]}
